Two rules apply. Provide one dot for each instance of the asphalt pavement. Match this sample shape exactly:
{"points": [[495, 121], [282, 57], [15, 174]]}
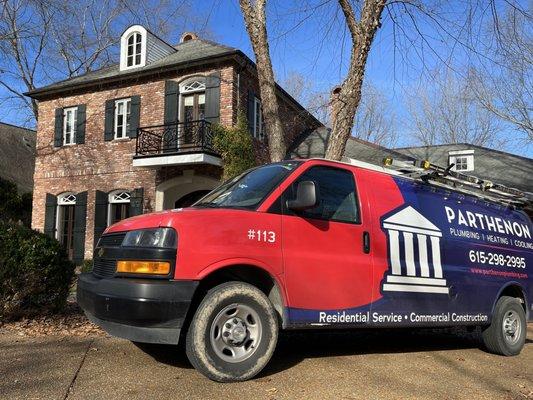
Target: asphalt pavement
{"points": [[394, 364]]}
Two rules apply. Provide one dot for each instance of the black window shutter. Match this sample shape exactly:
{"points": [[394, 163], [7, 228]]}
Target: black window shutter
{"points": [[136, 202], [109, 130], [80, 217], [172, 92], [58, 129], [212, 98], [135, 116], [80, 126], [100, 215], [250, 111], [50, 215]]}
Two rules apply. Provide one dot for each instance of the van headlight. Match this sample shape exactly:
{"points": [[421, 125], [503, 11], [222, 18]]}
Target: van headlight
{"points": [[156, 237]]}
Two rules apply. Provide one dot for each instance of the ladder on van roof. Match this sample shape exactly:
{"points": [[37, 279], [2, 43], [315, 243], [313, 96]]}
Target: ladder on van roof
{"points": [[428, 172]]}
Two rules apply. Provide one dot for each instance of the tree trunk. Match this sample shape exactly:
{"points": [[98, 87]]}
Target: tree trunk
{"points": [[255, 21], [345, 104]]}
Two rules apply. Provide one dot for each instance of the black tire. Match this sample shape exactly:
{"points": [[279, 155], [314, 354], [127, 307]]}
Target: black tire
{"points": [[207, 344], [496, 338]]}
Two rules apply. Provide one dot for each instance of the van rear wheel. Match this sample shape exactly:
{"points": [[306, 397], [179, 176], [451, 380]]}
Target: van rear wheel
{"points": [[506, 334], [233, 333]]}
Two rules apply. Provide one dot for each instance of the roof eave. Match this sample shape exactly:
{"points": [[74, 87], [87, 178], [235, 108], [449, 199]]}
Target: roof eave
{"points": [[39, 94]]}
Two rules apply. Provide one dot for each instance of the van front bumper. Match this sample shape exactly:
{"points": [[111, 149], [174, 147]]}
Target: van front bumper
{"points": [[141, 310]]}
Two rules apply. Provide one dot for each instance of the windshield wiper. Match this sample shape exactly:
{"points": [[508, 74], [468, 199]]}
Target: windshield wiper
{"points": [[207, 204]]}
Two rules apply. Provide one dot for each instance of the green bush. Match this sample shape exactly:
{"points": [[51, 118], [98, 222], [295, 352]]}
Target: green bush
{"points": [[14, 206], [86, 265], [236, 147], [35, 273]]}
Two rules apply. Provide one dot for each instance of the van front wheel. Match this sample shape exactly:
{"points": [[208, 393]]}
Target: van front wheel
{"points": [[233, 333], [506, 334]]}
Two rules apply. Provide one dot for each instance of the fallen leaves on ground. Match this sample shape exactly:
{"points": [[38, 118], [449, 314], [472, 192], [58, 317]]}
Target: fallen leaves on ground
{"points": [[71, 322]]}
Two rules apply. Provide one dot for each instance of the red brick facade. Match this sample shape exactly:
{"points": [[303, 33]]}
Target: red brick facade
{"points": [[107, 165]]}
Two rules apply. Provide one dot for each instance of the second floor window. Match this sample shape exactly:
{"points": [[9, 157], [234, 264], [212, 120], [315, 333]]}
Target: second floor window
{"points": [[122, 118], [134, 49], [69, 125], [258, 119]]}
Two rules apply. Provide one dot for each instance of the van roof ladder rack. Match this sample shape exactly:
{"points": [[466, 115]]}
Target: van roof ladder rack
{"points": [[426, 171]]}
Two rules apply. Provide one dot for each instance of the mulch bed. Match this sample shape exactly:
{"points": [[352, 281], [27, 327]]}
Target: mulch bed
{"points": [[71, 322]]}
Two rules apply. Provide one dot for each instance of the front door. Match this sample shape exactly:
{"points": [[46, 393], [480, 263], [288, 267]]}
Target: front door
{"points": [[328, 271], [193, 114], [66, 228]]}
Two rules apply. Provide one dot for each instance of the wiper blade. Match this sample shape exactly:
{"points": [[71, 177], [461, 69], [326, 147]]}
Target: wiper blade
{"points": [[207, 204]]}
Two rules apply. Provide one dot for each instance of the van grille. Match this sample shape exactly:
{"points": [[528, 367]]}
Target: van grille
{"points": [[111, 240], [104, 268]]}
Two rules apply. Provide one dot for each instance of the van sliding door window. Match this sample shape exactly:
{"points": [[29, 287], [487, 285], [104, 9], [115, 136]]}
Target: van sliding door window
{"points": [[336, 193]]}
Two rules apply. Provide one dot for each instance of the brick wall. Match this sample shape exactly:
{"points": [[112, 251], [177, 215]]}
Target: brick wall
{"points": [[107, 165]]}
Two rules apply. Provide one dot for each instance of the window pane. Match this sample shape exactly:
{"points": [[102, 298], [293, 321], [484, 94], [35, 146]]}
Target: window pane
{"points": [[201, 98], [188, 101], [138, 59], [138, 38], [130, 40], [130, 60], [336, 191]]}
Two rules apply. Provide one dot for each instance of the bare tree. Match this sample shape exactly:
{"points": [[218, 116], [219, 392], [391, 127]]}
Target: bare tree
{"points": [[43, 41], [254, 13], [375, 118], [362, 31], [447, 112], [505, 87]]}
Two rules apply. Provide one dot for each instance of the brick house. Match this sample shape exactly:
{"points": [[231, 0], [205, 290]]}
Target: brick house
{"points": [[136, 137]]}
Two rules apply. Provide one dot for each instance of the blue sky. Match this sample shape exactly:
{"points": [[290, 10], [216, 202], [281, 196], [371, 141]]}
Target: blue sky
{"points": [[312, 41]]}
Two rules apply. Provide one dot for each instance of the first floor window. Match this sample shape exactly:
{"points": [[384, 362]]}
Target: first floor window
{"points": [[119, 206], [66, 206], [69, 125], [122, 118], [258, 119]]}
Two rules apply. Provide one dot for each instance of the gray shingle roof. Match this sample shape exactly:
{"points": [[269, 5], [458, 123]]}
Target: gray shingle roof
{"points": [[186, 53], [494, 165], [17, 155]]}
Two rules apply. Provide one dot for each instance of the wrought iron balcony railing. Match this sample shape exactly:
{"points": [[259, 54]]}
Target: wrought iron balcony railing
{"points": [[178, 138]]}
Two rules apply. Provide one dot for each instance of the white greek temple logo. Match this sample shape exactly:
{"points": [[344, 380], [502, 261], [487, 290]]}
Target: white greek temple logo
{"points": [[403, 275]]}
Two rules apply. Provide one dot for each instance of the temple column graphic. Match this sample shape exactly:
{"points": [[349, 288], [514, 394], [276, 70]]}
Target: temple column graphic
{"points": [[404, 276]]}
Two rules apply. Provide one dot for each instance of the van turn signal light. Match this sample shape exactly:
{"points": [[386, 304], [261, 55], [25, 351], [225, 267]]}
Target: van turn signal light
{"points": [[143, 267]]}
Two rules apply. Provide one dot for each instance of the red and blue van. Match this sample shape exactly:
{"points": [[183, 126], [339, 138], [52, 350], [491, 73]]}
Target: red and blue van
{"points": [[311, 244]]}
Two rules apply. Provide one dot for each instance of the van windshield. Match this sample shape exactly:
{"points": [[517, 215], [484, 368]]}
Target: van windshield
{"points": [[249, 189]]}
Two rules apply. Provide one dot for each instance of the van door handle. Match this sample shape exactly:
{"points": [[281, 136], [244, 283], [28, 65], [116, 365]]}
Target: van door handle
{"points": [[366, 242]]}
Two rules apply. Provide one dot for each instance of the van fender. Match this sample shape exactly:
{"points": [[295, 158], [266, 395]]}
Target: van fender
{"points": [[502, 289], [229, 262]]}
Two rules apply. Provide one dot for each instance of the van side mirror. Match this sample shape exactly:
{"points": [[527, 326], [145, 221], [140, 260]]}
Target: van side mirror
{"points": [[305, 197]]}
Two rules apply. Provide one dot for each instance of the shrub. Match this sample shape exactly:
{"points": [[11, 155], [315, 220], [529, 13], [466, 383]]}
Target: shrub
{"points": [[13, 206], [86, 265], [35, 273], [235, 146]]}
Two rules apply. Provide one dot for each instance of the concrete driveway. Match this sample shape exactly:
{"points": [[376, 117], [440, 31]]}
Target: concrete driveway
{"points": [[341, 365]]}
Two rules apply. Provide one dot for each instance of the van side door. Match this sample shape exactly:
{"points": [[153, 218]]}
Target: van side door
{"points": [[326, 265]]}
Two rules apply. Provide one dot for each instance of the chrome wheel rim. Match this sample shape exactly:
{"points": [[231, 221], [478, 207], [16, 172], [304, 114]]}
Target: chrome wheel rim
{"points": [[236, 333], [512, 327]]}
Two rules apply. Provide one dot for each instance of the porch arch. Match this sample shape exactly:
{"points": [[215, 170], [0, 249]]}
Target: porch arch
{"points": [[173, 189]]}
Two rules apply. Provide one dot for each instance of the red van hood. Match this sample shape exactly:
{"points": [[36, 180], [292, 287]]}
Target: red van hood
{"points": [[157, 219]]}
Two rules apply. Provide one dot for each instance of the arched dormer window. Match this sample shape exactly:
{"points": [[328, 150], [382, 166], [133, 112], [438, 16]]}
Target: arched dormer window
{"points": [[133, 47]]}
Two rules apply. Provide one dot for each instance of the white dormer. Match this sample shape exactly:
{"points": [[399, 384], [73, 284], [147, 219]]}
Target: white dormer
{"points": [[140, 47]]}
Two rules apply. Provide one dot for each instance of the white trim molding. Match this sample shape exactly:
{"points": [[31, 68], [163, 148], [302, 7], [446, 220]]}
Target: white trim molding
{"points": [[177, 159]]}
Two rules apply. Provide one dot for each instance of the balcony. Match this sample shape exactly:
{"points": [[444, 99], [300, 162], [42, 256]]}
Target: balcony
{"points": [[175, 144]]}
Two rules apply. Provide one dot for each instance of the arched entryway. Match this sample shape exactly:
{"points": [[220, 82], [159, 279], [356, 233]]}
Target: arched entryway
{"points": [[184, 190], [190, 198]]}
